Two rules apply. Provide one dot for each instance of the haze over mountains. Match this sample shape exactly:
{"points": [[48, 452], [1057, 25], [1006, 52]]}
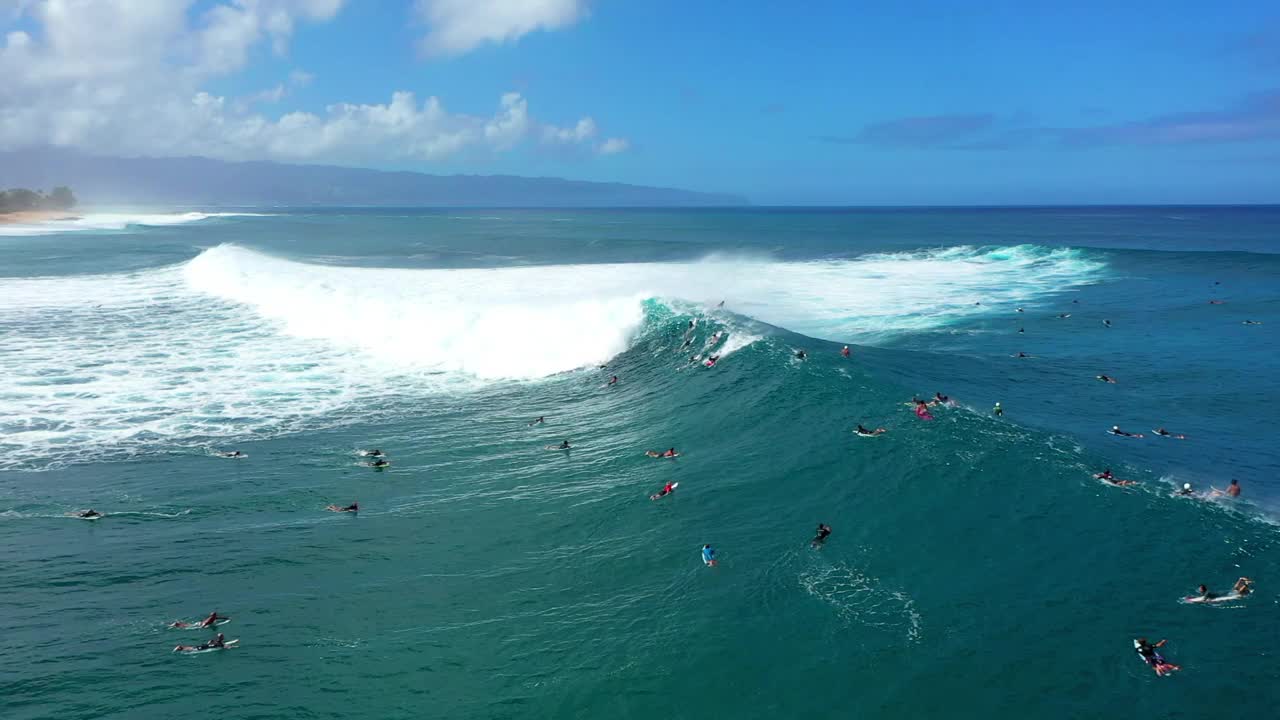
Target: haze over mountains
{"points": [[202, 181]]}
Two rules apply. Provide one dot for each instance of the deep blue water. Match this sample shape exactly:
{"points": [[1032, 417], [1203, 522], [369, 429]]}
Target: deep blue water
{"points": [[976, 568]]}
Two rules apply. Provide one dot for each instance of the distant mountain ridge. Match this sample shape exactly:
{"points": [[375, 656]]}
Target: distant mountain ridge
{"points": [[203, 181]]}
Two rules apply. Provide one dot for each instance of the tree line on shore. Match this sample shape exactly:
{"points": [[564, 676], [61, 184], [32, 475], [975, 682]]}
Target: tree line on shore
{"points": [[22, 199]]}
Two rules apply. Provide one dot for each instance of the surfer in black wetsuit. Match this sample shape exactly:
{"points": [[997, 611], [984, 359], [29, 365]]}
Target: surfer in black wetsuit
{"points": [[90, 513], [539, 421], [564, 445], [376, 453], [801, 355], [1203, 593], [1115, 430], [821, 537], [1106, 323], [353, 507], [379, 463], [1107, 379], [233, 454], [868, 433]]}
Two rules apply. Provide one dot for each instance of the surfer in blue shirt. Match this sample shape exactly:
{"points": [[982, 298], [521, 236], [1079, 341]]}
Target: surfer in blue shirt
{"points": [[708, 555]]}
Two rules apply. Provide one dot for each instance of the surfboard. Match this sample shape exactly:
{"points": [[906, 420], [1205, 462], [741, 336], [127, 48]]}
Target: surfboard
{"points": [[228, 645], [195, 625], [867, 435], [1221, 598], [555, 447], [655, 496]]}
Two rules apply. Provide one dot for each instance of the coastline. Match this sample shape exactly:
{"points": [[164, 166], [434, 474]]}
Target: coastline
{"points": [[32, 217]]}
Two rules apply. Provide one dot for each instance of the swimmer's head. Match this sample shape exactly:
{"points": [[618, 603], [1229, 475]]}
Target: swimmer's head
{"points": [[1186, 486]]}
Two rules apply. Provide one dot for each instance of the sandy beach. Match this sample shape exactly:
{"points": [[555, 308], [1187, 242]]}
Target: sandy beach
{"points": [[29, 217]]}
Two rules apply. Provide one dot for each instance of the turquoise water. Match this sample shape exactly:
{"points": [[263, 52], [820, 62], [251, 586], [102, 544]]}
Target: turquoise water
{"points": [[975, 570]]}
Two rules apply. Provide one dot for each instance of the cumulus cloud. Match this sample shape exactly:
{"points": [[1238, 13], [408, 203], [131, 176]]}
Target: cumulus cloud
{"points": [[140, 89], [613, 146], [457, 26]]}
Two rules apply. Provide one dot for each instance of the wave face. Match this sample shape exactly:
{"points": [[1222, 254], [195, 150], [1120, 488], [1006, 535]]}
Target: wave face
{"points": [[98, 222], [237, 342]]}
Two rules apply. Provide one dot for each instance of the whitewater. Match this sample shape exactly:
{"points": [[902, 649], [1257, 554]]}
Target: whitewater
{"points": [[236, 341]]}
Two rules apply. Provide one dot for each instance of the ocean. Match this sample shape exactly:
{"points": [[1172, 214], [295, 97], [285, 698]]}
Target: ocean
{"points": [[975, 569]]}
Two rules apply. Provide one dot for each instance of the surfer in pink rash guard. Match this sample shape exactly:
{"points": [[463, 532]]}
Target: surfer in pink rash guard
{"points": [[922, 410]]}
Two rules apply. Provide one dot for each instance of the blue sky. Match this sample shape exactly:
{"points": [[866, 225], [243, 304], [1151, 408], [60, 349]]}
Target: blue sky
{"points": [[832, 103]]}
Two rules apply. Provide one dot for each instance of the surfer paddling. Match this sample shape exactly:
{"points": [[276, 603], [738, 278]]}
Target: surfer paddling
{"points": [[709, 556], [612, 381], [213, 619], [869, 433], [217, 643], [1106, 475], [666, 490], [844, 351], [1233, 490], [1107, 379], [823, 532], [541, 419], [1115, 430], [1148, 653], [1165, 433], [668, 454], [89, 514], [353, 507]]}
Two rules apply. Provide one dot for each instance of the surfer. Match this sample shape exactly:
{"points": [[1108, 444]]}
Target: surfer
{"points": [[539, 421], [1203, 593], [564, 445], [1106, 323], [997, 410], [711, 361], [214, 644], [1115, 430], [1108, 477], [1107, 379], [869, 433], [1233, 490], [1022, 355], [233, 454], [613, 380], [1186, 490], [941, 399], [709, 555], [922, 410], [379, 463], [721, 304], [1021, 331], [666, 490], [1251, 322], [1064, 316], [1216, 302], [1243, 587], [1165, 433], [374, 453], [1148, 653], [353, 507], [801, 355], [668, 454], [210, 621], [844, 351], [1019, 310], [823, 532], [89, 514]]}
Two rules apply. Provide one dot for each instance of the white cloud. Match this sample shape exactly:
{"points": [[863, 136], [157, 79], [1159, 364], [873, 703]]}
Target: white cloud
{"points": [[457, 26], [140, 89], [613, 146]]}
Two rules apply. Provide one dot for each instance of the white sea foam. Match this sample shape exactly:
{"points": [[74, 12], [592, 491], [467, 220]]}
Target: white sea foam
{"points": [[237, 343], [112, 221]]}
